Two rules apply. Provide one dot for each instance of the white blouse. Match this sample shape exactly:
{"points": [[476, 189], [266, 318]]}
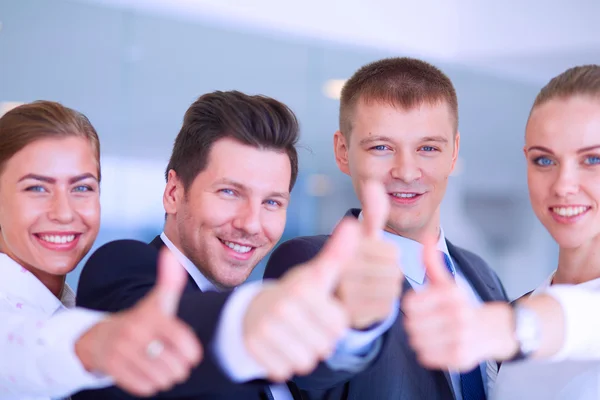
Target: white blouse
{"points": [[37, 338], [574, 373]]}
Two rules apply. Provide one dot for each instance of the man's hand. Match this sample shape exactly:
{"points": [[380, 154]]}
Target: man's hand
{"points": [[296, 322], [145, 349], [446, 329], [371, 283]]}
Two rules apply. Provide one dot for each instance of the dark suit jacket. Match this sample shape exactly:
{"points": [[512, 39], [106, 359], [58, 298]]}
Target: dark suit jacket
{"points": [[122, 272], [396, 373]]}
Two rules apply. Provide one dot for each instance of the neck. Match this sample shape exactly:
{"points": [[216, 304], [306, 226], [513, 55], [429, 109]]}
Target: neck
{"points": [[170, 229], [578, 265], [418, 235], [54, 283]]}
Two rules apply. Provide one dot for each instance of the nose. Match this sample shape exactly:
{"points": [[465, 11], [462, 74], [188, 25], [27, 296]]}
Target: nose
{"points": [[567, 181], [406, 168], [61, 209], [248, 218]]}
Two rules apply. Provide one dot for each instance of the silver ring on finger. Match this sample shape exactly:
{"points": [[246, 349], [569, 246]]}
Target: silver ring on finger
{"points": [[154, 349]]}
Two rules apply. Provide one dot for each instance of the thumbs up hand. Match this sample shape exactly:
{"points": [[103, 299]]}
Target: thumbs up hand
{"points": [[371, 283], [445, 328], [145, 349], [295, 322]]}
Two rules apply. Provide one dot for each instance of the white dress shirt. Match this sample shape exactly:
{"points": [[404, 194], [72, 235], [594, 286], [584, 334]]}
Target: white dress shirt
{"points": [[411, 261], [37, 338], [574, 373], [353, 352]]}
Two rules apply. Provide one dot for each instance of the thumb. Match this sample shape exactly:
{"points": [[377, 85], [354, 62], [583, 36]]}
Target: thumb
{"points": [[376, 207], [170, 283], [437, 273], [337, 252]]}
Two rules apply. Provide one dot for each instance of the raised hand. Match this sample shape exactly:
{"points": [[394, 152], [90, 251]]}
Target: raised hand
{"points": [[145, 349], [296, 322], [445, 328], [371, 283]]}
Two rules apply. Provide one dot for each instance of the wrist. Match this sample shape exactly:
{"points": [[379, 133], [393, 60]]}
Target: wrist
{"points": [[83, 349], [526, 331], [499, 321], [86, 345]]}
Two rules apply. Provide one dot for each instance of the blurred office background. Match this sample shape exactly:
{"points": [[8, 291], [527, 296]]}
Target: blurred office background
{"points": [[134, 66]]}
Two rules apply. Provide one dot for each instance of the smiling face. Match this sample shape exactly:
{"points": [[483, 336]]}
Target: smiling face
{"points": [[412, 152], [233, 213], [562, 147], [49, 205]]}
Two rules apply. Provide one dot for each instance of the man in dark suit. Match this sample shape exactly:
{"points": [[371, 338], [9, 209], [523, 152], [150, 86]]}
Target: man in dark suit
{"points": [[399, 124], [229, 180]]}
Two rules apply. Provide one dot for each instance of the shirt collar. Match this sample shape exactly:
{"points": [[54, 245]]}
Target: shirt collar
{"points": [[25, 290], [594, 284], [201, 281], [411, 254]]}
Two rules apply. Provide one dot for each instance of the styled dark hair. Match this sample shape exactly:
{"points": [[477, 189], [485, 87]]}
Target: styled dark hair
{"points": [[42, 119], [402, 82], [258, 121]]}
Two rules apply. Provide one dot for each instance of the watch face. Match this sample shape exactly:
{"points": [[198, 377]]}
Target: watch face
{"points": [[527, 329]]}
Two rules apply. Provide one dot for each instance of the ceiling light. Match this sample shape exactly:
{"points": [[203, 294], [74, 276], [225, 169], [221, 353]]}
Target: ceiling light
{"points": [[6, 106], [333, 88]]}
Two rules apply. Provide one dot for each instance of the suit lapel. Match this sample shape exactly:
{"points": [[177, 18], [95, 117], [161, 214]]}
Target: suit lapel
{"points": [[158, 243], [486, 289]]}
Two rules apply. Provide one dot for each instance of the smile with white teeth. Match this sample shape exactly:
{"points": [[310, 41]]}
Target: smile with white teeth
{"points": [[58, 239], [404, 195], [238, 248], [569, 211]]}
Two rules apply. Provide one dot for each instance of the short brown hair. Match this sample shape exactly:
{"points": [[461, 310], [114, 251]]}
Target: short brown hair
{"points": [[258, 121], [581, 80], [401, 81], [43, 119]]}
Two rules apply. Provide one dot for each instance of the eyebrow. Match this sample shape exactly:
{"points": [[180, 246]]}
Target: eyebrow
{"points": [[439, 139], [242, 187], [371, 139], [48, 179], [547, 150]]}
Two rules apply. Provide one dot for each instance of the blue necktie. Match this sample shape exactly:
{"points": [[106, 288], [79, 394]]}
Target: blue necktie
{"points": [[471, 383]]}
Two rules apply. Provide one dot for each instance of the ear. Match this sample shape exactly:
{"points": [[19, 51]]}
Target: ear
{"points": [[340, 148], [173, 194], [525, 151], [455, 150]]}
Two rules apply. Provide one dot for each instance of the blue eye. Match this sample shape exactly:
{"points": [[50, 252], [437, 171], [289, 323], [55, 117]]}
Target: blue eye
{"points": [[592, 160], [36, 188], [83, 188], [543, 161], [274, 204], [428, 148], [380, 147], [228, 192]]}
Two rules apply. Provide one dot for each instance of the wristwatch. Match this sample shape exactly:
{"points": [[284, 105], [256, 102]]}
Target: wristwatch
{"points": [[527, 331]]}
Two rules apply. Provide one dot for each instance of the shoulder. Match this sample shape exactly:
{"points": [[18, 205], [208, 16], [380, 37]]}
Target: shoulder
{"points": [[116, 268], [471, 257], [293, 252], [482, 268], [115, 254]]}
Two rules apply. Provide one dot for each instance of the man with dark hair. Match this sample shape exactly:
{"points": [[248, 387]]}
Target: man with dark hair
{"points": [[399, 126], [233, 166]]}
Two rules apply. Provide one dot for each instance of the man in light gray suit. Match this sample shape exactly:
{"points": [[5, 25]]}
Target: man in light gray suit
{"points": [[399, 125]]}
